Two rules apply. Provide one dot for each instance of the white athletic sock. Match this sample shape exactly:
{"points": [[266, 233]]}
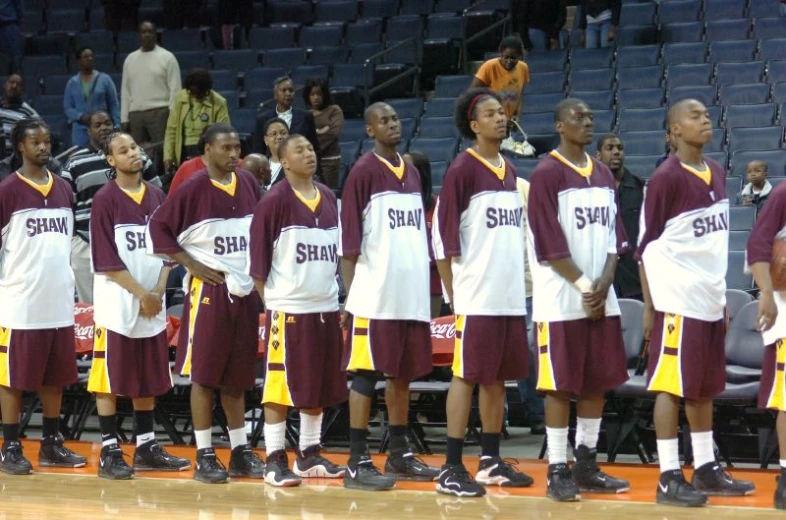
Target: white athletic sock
{"points": [[142, 438], [783, 462], [668, 454], [238, 437], [587, 431], [275, 436], [557, 440], [703, 448], [204, 438], [310, 430], [110, 441]]}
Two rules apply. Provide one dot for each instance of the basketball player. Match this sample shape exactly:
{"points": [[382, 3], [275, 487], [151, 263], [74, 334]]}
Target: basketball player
{"points": [[385, 263], [576, 235], [686, 261], [293, 261], [131, 353], [36, 298], [479, 246], [204, 226]]}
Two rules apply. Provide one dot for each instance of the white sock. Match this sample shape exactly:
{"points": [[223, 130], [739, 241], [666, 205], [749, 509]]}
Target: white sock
{"points": [[204, 438], [703, 448], [111, 441], [145, 437], [310, 430], [238, 437], [587, 431], [275, 436], [668, 454], [557, 440], [783, 462]]}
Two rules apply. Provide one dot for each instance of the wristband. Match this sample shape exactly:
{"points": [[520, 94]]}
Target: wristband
{"points": [[583, 284]]}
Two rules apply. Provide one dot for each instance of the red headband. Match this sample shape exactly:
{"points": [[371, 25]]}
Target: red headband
{"points": [[474, 102]]}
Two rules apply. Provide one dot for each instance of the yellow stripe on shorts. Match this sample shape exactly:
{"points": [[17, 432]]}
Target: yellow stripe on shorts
{"points": [[5, 346], [668, 373], [194, 300], [458, 348], [99, 373], [546, 380], [360, 357], [777, 398], [276, 388]]}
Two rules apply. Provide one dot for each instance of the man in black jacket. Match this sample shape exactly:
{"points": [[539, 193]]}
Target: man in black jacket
{"points": [[539, 22], [630, 190], [299, 121]]}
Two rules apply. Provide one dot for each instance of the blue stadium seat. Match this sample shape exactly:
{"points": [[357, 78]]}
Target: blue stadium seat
{"points": [[707, 94], [445, 26], [637, 35], [603, 121], [551, 61], [49, 105], [438, 170], [349, 75], [193, 60], [776, 180], [419, 7], [379, 8], [591, 79], [761, 138], [775, 159], [736, 278], [272, 37], [682, 32], [764, 9], [261, 79], [302, 73], [335, 11], [596, 99], [56, 83], [721, 158], [365, 30], [728, 29], [231, 96], [98, 40], [441, 107], [452, 6], [407, 128], [773, 49], [750, 115], [718, 142], [451, 86], [67, 20], [779, 96], [744, 94], [363, 51], [288, 11], [642, 119], [437, 128], [524, 167], [640, 98], [539, 123], [735, 73], [104, 62], [405, 26], [183, 40], [316, 35], [677, 53], [532, 103], [592, 58], [284, 58], [349, 151], [407, 107], [366, 146], [127, 42], [776, 71], [404, 52], [641, 165], [638, 55], [633, 14], [688, 74], [723, 9], [224, 79], [679, 11], [639, 77], [328, 55], [733, 51], [769, 27], [41, 66], [50, 44], [650, 142], [353, 130], [541, 82], [741, 218], [241, 59], [733, 188], [436, 149], [32, 21]]}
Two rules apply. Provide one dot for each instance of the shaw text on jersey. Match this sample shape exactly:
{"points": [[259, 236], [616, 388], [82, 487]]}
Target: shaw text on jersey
{"points": [[135, 240], [36, 226], [401, 218], [710, 224], [315, 253], [229, 245], [589, 215], [503, 217]]}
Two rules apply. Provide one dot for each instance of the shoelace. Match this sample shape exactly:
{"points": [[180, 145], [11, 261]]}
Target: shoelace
{"points": [[509, 465], [461, 473], [411, 460], [368, 465], [212, 462]]}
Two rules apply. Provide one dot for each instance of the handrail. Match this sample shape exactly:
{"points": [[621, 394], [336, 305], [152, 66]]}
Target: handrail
{"points": [[473, 6], [466, 41], [411, 71], [262, 103], [368, 78]]}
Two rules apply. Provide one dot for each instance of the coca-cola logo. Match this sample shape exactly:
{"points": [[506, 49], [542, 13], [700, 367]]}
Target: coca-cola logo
{"points": [[83, 333], [443, 330], [83, 309]]}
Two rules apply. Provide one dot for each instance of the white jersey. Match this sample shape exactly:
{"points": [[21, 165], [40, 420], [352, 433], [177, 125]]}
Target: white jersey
{"points": [[573, 213], [36, 279], [479, 224]]}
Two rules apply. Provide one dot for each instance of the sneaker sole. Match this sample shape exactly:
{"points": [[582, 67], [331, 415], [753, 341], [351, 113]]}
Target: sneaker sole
{"points": [[461, 494], [167, 469], [109, 476], [317, 472], [12, 472], [412, 478], [666, 501], [284, 483], [726, 493], [603, 491], [48, 464], [350, 484], [207, 480], [502, 482], [574, 498], [244, 474]]}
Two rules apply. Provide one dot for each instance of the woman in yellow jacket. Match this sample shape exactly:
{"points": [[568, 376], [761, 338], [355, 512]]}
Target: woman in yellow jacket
{"points": [[195, 107]]}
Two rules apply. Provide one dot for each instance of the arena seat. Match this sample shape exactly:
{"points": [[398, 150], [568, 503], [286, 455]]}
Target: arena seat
{"points": [[640, 98], [640, 77], [728, 29], [732, 93], [638, 55], [681, 53], [365, 30]]}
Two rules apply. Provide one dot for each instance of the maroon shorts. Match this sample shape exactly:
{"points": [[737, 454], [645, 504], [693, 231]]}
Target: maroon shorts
{"points": [[219, 337], [490, 349], [399, 349], [581, 357], [132, 367], [303, 360], [30, 359], [687, 357], [772, 390]]}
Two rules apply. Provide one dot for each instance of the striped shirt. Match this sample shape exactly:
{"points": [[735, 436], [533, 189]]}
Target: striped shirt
{"points": [[9, 116], [87, 171]]}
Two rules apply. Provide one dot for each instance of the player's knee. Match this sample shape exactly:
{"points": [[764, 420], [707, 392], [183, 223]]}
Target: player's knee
{"points": [[364, 383]]}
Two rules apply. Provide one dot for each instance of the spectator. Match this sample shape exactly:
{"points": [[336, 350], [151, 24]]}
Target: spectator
{"points": [[758, 188], [599, 21], [87, 171], [89, 90], [259, 165], [540, 22], [630, 191], [195, 108], [275, 131], [121, 15], [329, 120], [506, 75], [151, 79], [182, 13], [232, 12], [13, 108], [193, 165], [10, 33]]}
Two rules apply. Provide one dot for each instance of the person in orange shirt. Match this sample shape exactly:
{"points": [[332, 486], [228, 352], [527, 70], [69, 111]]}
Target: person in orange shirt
{"points": [[506, 75]]}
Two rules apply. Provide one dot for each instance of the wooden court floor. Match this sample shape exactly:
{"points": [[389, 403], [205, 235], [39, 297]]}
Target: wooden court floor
{"points": [[79, 494]]}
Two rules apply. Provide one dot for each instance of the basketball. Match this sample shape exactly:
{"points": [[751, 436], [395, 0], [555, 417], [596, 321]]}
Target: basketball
{"points": [[778, 265]]}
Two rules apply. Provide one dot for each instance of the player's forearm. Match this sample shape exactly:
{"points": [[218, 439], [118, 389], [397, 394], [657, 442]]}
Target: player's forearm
{"points": [[609, 269], [182, 258], [260, 285], [348, 264], [163, 277], [127, 282], [446, 273], [645, 287], [761, 274], [567, 268]]}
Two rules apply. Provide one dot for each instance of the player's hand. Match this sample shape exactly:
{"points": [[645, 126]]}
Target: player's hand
{"points": [[598, 293], [206, 274], [612, 33], [646, 321], [346, 320], [768, 312], [150, 305]]}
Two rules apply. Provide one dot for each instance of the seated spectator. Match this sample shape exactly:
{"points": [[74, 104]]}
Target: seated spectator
{"points": [[195, 107], [758, 188], [259, 165], [13, 109], [89, 90], [191, 166], [275, 131], [599, 21], [540, 22], [506, 75], [329, 120]]}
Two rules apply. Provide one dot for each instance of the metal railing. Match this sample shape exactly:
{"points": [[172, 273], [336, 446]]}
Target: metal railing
{"points": [[368, 71], [478, 35]]}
